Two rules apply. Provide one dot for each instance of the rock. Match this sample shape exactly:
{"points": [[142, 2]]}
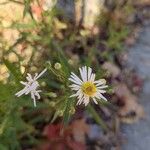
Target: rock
{"points": [[83, 12], [95, 132], [138, 135]]}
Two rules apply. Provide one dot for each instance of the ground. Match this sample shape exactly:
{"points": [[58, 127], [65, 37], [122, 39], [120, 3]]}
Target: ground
{"points": [[138, 134]]}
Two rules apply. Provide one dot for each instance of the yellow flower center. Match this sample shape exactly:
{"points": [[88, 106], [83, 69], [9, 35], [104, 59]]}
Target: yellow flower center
{"points": [[89, 88]]}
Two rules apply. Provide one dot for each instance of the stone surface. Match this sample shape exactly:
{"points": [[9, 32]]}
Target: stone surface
{"points": [[82, 11], [138, 134]]}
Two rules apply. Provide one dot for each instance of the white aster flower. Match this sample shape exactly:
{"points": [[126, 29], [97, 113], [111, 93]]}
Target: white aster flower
{"points": [[87, 87], [31, 86]]}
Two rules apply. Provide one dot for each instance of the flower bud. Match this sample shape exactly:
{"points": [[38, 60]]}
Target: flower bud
{"points": [[52, 94], [52, 104], [57, 66], [72, 111], [60, 113]]}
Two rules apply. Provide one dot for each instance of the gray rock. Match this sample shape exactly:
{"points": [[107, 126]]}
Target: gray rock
{"points": [[95, 132], [138, 134], [83, 12]]}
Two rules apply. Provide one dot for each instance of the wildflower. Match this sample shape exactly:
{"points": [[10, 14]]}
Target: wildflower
{"points": [[87, 87], [31, 86]]}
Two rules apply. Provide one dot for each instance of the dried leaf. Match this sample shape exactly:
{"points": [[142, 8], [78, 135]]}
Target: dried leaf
{"points": [[60, 138]]}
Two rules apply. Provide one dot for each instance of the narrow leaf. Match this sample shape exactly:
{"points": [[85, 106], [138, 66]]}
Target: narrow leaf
{"points": [[97, 118]]}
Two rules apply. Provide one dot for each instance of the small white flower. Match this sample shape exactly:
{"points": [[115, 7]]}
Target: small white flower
{"points": [[87, 87], [31, 86]]}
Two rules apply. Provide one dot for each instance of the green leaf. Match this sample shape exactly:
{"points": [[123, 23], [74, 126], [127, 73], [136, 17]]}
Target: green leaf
{"points": [[27, 9], [97, 118], [3, 147], [62, 58], [24, 26], [13, 70], [68, 105], [56, 114], [60, 108], [6, 91]]}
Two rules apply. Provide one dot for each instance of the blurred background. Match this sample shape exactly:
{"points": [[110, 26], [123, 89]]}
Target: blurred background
{"points": [[111, 36]]}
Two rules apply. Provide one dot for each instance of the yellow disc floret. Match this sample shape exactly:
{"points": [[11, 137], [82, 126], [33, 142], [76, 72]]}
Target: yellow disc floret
{"points": [[89, 88]]}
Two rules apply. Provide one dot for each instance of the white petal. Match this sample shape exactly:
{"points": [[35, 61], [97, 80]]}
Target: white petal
{"points": [[101, 96], [86, 100], [101, 91], [37, 94], [34, 86], [39, 91], [102, 87], [100, 81], [41, 74], [92, 78], [74, 86], [75, 89], [74, 81], [35, 76], [89, 73], [24, 83], [73, 95], [80, 94], [29, 77], [80, 97], [79, 101], [77, 93], [95, 101], [34, 100], [83, 73], [76, 78], [23, 91], [27, 91]]}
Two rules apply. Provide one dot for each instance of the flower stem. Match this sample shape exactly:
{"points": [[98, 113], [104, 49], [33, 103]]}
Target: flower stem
{"points": [[97, 118]]}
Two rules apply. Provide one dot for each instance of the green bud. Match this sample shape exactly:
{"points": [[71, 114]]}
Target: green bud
{"points": [[70, 62], [60, 113], [52, 94], [43, 84], [72, 111], [52, 104], [57, 66], [48, 64]]}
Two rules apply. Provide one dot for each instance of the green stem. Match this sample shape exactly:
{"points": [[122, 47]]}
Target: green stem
{"points": [[97, 118]]}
